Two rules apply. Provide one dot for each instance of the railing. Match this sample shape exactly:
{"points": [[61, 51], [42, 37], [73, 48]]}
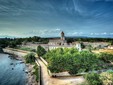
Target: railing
{"points": [[45, 62]]}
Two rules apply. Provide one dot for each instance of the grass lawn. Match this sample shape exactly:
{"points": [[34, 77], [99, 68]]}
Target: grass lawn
{"points": [[27, 49]]}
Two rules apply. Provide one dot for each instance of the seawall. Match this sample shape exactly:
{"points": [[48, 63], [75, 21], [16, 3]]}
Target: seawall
{"points": [[15, 52]]}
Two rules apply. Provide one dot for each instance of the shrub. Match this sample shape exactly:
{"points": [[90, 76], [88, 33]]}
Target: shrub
{"points": [[40, 51], [106, 57], [93, 79], [30, 58], [107, 78], [36, 72]]}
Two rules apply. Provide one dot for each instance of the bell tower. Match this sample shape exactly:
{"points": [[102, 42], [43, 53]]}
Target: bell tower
{"points": [[62, 36]]}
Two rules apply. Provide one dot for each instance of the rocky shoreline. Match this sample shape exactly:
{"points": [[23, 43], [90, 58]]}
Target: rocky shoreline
{"points": [[31, 78]]}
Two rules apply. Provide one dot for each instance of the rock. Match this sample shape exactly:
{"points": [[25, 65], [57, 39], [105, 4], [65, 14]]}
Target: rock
{"points": [[21, 62], [11, 63], [26, 71]]}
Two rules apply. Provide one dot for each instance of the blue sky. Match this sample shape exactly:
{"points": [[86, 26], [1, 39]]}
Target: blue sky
{"points": [[47, 18]]}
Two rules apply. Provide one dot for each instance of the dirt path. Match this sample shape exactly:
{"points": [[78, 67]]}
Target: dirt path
{"points": [[47, 80]]}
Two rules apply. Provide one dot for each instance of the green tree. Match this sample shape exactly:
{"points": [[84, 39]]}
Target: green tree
{"points": [[40, 51], [110, 42], [89, 47], [12, 44], [25, 42], [82, 45], [106, 57], [85, 61], [30, 58], [72, 61]]}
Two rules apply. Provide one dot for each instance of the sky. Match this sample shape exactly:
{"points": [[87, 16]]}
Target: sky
{"points": [[47, 18]]}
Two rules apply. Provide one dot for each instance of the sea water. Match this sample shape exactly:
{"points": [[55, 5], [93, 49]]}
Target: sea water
{"points": [[11, 71]]}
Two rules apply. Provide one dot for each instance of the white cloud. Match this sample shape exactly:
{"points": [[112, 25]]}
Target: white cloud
{"points": [[104, 33], [81, 33], [75, 33], [58, 29], [43, 33], [91, 33], [96, 33]]}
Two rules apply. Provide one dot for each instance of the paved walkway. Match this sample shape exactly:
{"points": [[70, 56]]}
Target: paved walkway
{"points": [[47, 80]]}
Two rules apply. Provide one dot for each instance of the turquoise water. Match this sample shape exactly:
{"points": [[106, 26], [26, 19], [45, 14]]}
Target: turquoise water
{"points": [[11, 71]]}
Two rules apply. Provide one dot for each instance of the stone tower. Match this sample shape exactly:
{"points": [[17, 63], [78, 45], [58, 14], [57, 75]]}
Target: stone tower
{"points": [[62, 36]]}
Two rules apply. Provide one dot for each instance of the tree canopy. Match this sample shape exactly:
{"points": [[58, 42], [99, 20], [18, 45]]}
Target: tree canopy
{"points": [[72, 60], [13, 42], [40, 51], [30, 58]]}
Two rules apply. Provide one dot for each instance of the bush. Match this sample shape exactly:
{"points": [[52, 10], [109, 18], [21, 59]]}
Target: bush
{"points": [[40, 51], [36, 72], [93, 79], [107, 78], [30, 58], [106, 57]]}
